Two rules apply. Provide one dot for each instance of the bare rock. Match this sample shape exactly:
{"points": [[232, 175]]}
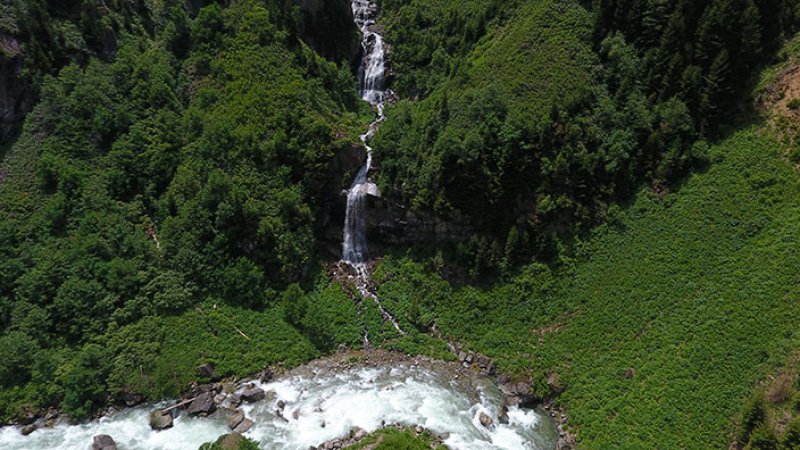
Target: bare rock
{"points": [[244, 426], [229, 441], [566, 442], [103, 442], [206, 371], [160, 420], [253, 395], [236, 418], [520, 393], [486, 421], [131, 399], [27, 429], [555, 384], [203, 404], [359, 434]]}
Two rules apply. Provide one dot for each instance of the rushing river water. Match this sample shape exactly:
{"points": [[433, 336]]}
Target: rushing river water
{"points": [[323, 406]]}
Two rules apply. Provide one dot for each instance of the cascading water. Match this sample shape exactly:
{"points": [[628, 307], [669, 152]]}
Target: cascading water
{"points": [[370, 88], [319, 404], [371, 77]]}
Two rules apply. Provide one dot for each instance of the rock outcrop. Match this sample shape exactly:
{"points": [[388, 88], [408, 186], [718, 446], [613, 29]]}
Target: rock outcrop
{"points": [[16, 94]]}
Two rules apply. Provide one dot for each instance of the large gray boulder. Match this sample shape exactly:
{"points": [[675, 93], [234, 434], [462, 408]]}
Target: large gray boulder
{"points": [[520, 392], [103, 442], [253, 395], [160, 420], [203, 404]]}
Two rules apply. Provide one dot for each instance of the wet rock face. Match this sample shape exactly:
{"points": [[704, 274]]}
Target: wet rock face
{"points": [[328, 28], [16, 95]]}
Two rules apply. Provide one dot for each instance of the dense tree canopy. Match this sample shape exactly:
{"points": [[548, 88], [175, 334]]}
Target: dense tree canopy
{"points": [[637, 88], [190, 168]]}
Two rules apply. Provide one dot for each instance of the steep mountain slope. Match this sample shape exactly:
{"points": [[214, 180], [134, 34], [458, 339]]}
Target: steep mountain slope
{"points": [[696, 293], [144, 187]]}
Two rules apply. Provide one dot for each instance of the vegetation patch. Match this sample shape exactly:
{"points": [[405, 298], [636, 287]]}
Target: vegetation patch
{"points": [[696, 292]]}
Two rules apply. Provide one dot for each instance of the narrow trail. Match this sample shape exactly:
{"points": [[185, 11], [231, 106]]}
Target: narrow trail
{"points": [[371, 87]]}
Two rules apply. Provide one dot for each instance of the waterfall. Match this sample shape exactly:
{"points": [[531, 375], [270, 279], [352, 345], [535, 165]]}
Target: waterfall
{"points": [[371, 77], [370, 88]]}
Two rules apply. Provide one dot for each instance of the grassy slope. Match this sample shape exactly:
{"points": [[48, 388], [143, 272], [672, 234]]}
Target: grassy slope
{"points": [[539, 58], [696, 292]]}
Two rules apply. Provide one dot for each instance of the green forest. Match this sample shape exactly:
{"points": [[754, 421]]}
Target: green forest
{"points": [[627, 171]]}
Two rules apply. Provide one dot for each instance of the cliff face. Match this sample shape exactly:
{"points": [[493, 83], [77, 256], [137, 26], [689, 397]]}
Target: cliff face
{"points": [[328, 27], [16, 96]]}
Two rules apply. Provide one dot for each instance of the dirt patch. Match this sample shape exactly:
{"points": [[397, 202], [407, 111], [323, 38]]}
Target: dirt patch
{"points": [[779, 102], [777, 99]]}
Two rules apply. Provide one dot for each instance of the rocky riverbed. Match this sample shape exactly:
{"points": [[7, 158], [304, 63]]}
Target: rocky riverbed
{"points": [[326, 402]]}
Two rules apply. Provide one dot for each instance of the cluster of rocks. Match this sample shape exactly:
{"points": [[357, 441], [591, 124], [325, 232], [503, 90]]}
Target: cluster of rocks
{"points": [[31, 420], [520, 393], [476, 360], [206, 399], [356, 435]]}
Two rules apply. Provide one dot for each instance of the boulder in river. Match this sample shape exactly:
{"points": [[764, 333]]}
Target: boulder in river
{"points": [[253, 395], [203, 404], [520, 393], [486, 421], [103, 442], [244, 426], [27, 429], [502, 417], [160, 420], [236, 418]]}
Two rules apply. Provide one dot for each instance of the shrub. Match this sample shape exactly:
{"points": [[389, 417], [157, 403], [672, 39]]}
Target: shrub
{"points": [[791, 435], [753, 415]]}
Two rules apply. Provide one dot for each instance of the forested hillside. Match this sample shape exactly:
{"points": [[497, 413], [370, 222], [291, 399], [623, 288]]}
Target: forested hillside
{"points": [[538, 116], [192, 168], [176, 189]]}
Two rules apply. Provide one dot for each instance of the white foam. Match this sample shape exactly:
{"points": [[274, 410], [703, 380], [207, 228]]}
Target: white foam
{"points": [[365, 398]]}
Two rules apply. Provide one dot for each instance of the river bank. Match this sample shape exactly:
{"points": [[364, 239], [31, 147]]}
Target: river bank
{"points": [[323, 400]]}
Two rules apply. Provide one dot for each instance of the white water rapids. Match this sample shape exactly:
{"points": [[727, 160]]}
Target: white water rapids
{"points": [[341, 400]]}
